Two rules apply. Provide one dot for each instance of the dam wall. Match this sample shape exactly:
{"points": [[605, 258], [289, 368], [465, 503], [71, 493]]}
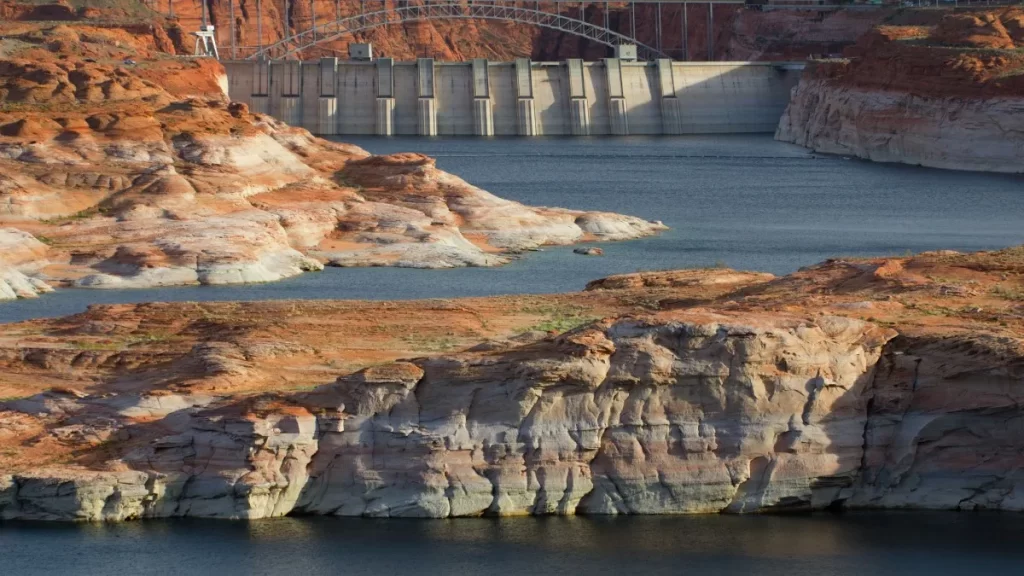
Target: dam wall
{"points": [[429, 98]]}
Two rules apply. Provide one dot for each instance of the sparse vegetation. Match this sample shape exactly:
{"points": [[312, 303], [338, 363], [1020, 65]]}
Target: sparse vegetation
{"points": [[80, 215], [1008, 293], [430, 343], [559, 317], [562, 324], [342, 180], [152, 338], [95, 345]]}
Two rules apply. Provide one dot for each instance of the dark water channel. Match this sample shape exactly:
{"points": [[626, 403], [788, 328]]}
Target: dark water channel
{"points": [[898, 544]]}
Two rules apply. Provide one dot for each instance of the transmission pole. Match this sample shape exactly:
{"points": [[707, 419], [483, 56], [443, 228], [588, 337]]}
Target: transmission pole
{"points": [[259, 27], [231, 5], [686, 32], [658, 22], [287, 28], [632, 20], [711, 31]]}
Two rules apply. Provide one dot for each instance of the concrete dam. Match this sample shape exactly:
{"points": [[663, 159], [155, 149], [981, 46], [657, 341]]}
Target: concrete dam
{"points": [[428, 98]]}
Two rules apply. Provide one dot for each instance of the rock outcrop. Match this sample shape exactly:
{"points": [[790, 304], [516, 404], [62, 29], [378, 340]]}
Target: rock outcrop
{"points": [[945, 426], [850, 384], [944, 94], [678, 413], [957, 133], [143, 174], [21, 255], [671, 414]]}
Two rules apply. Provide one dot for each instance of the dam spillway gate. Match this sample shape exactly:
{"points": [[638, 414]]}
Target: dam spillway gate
{"points": [[521, 98]]}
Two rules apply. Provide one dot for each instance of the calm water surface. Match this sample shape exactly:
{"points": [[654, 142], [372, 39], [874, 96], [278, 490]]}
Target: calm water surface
{"points": [[907, 544], [745, 201]]}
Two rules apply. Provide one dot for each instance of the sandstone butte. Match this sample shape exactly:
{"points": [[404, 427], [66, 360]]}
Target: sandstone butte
{"points": [[138, 175], [883, 383], [934, 88]]}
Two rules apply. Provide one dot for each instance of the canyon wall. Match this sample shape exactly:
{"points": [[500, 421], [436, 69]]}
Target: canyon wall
{"points": [[676, 412], [958, 133], [737, 33], [945, 94]]}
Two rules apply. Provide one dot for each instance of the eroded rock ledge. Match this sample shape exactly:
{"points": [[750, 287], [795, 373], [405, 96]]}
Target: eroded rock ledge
{"points": [[132, 170], [21, 255], [890, 383], [931, 88], [955, 133]]}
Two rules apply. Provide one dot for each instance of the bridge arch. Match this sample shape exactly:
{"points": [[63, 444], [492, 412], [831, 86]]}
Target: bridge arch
{"points": [[451, 9]]}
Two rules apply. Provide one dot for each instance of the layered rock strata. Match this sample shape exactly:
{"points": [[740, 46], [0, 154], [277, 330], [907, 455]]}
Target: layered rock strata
{"points": [[945, 94], [847, 385], [673, 414], [143, 174], [738, 33], [21, 255], [956, 133]]}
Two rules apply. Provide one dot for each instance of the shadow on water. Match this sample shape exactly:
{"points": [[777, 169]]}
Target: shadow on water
{"points": [[746, 201], [868, 543]]}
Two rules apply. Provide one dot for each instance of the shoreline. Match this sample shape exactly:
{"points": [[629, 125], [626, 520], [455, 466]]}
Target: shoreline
{"points": [[79, 299], [839, 515]]}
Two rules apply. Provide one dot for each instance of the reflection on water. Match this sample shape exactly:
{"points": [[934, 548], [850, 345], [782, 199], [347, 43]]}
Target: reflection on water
{"points": [[746, 201], [890, 543]]}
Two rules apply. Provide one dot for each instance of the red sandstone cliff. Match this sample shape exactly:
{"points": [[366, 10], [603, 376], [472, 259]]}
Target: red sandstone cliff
{"points": [[738, 34], [939, 89]]}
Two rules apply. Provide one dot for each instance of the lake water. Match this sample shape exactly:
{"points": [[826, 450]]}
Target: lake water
{"points": [[746, 201], [898, 544]]}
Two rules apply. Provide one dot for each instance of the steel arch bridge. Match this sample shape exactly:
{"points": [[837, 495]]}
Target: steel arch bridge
{"points": [[507, 10]]}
